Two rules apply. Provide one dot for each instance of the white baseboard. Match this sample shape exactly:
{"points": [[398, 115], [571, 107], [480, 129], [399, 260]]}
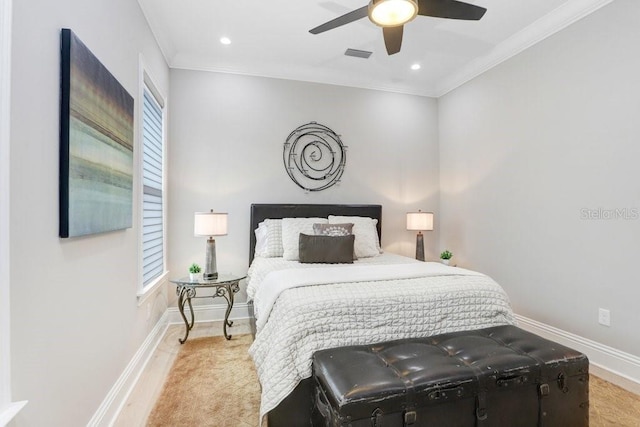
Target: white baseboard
{"points": [[210, 313], [110, 408], [615, 366], [119, 393]]}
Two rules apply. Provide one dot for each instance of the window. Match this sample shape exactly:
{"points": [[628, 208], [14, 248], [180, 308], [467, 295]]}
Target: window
{"points": [[152, 186]]}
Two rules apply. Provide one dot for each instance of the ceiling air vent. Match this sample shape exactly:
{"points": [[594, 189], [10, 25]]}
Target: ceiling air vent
{"points": [[358, 53]]}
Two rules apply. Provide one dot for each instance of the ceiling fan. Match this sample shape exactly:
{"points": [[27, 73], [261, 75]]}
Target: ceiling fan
{"points": [[391, 15]]}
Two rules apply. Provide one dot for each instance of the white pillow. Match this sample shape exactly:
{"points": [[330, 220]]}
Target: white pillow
{"points": [[274, 238], [291, 229], [366, 242], [261, 240]]}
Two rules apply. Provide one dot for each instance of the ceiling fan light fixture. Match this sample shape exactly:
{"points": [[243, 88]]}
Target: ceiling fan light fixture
{"points": [[392, 13]]}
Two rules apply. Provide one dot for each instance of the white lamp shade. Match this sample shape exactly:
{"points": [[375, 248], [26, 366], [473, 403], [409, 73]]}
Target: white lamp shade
{"points": [[210, 224], [420, 221]]}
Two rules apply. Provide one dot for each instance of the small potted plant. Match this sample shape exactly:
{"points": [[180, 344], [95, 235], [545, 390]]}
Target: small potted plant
{"points": [[194, 272], [445, 257]]}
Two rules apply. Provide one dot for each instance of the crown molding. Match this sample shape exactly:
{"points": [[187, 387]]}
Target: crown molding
{"points": [[404, 90], [164, 43], [557, 20], [546, 26]]}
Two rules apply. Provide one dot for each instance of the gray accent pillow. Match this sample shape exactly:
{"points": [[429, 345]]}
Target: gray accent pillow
{"points": [[326, 249], [332, 229]]}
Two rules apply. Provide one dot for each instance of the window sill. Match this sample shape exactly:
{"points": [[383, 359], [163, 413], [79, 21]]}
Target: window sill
{"points": [[151, 288], [10, 410]]}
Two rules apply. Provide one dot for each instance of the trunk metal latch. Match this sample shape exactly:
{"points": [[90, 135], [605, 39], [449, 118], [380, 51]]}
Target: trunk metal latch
{"points": [[562, 382], [409, 418], [376, 418]]}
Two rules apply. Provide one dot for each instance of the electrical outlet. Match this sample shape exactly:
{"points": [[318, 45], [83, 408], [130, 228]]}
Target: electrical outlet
{"points": [[604, 317]]}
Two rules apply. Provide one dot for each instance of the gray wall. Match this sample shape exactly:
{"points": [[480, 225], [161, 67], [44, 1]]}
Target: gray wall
{"points": [[75, 320], [526, 150], [227, 134], [518, 153]]}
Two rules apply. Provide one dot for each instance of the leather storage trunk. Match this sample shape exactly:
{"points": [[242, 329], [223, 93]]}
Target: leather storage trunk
{"points": [[499, 376]]}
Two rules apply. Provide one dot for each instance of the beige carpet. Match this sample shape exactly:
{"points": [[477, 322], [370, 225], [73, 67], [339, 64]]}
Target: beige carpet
{"points": [[213, 383]]}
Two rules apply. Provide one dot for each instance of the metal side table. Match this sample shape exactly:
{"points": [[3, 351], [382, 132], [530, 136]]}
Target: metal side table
{"points": [[225, 286]]}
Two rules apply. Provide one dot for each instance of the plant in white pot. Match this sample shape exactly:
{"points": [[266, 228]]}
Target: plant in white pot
{"points": [[194, 272], [445, 257]]}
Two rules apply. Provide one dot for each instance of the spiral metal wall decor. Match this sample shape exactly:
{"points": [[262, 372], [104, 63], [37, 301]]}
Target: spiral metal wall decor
{"points": [[314, 157]]}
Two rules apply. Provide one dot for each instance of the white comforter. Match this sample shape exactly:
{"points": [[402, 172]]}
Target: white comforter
{"points": [[308, 316]]}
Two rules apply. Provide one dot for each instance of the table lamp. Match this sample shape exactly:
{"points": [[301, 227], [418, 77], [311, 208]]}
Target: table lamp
{"points": [[210, 224], [420, 221]]}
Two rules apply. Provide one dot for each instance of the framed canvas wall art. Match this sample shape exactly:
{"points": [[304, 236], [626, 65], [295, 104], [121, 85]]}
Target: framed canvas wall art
{"points": [[96, 144]]}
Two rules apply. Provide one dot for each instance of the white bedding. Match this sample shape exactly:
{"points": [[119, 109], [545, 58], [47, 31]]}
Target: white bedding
{"points": [[310, 317], [276, 282], [261, 266]]}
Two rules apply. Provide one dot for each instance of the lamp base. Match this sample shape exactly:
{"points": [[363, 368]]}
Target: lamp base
{"points": [[210, 268], [420, 246]]}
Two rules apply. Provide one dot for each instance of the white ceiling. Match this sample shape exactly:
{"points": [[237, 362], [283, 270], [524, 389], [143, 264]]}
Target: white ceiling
{"points": [[271, 38]]}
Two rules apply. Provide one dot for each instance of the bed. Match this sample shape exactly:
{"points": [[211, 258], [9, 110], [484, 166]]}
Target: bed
{"points": [[301, 308]]}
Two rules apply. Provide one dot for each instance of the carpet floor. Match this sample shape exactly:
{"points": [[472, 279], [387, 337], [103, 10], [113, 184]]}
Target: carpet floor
{"points": [[213, 383]]}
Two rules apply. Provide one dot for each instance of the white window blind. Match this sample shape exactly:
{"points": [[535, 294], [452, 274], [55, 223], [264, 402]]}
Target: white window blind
{"points": [[152, 181]]}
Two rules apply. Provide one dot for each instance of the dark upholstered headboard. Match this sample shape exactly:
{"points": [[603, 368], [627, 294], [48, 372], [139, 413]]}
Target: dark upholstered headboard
{"points": [[260, 212]]}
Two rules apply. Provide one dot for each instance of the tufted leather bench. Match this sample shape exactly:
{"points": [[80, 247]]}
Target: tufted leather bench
{"points": [[501, 376]]}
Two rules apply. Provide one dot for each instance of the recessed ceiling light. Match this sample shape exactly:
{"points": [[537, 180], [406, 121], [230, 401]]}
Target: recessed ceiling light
{"points": [[225, 40], [415, 67]]}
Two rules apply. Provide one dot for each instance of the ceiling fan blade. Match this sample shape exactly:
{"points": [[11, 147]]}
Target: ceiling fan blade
{"points": [[341, 20], [393, 38], [451, 9]]}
